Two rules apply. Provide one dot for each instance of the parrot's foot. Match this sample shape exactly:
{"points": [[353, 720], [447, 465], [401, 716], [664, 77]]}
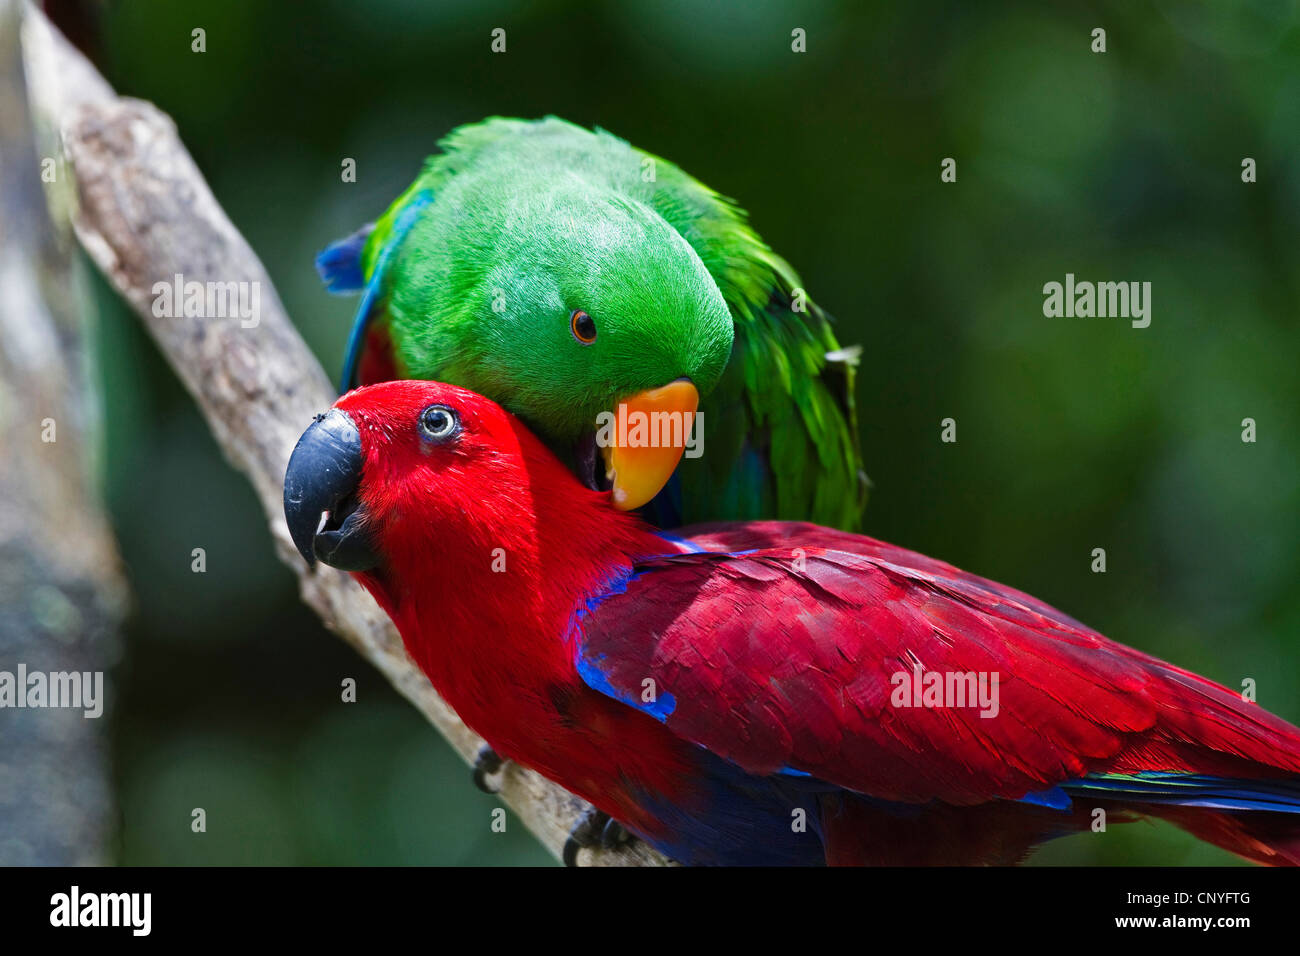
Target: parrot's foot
{"points": [[594, 828], [486, 764]]}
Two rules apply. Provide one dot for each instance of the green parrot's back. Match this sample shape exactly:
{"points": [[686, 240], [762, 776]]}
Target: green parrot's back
{"points": [[780, 433]]}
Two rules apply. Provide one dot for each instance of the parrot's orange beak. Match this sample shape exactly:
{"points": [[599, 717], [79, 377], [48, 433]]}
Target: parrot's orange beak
{"points": [[643, 439]]}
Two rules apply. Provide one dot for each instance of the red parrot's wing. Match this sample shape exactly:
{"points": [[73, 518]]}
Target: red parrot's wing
{"points": [[803, 660]]}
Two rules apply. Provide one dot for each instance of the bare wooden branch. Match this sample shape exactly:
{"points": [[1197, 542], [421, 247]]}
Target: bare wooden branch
{"points": [[145, 215]]}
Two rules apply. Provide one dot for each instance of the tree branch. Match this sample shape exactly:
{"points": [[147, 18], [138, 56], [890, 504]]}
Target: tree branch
{"points": [[145, 215]]}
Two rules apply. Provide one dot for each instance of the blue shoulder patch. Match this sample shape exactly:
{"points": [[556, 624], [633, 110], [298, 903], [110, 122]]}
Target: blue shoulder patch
{"points": [[589, 667], [660, 708]]}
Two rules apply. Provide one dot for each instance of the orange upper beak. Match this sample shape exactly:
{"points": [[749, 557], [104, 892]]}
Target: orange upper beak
{"points": [[650, 433]]}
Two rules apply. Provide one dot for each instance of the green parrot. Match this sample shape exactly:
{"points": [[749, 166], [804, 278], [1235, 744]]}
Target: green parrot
{"points": [[567, 275]]}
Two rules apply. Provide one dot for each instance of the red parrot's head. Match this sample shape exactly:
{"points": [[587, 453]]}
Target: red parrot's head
{"points": [[405, 463], [402, 474]]}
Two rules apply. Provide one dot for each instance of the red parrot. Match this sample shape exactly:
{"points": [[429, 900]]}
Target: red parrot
{"points": [[762, 692]]}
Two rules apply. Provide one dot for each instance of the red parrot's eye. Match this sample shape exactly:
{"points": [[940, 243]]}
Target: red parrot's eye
{"points": [[438, 423], [583, 327]]}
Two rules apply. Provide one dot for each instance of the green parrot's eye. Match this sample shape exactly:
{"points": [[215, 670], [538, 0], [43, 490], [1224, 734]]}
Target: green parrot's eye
{"points": [[439, 423], [583, 327]]}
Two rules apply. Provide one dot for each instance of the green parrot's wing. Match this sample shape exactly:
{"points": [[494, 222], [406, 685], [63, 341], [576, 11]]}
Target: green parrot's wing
{"points": [[780, 429]]}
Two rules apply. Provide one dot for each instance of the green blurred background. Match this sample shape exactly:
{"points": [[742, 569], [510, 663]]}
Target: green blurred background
{"points": [[1073, 434]]}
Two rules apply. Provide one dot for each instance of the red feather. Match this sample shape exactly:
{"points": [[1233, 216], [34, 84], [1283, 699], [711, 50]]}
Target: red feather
{"points": [[379, 360]]}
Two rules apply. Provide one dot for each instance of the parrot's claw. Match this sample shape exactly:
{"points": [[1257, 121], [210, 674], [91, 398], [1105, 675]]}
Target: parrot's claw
{"points": [[614, 834], [486, 764], [594, 828]]}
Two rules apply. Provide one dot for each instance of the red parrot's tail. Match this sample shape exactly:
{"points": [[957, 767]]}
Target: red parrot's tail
{"points": [[1004, 832], [1269, 838]]}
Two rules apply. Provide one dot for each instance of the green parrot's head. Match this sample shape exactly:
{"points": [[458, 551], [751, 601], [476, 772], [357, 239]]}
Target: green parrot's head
{"points": [[569, 308]]}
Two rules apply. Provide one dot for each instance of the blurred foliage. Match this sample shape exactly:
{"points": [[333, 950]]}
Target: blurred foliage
{"points": [[1072, 433]]}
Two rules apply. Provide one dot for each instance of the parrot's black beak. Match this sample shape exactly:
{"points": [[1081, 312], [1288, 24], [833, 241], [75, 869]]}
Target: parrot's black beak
{"points": [[321, 502]]}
